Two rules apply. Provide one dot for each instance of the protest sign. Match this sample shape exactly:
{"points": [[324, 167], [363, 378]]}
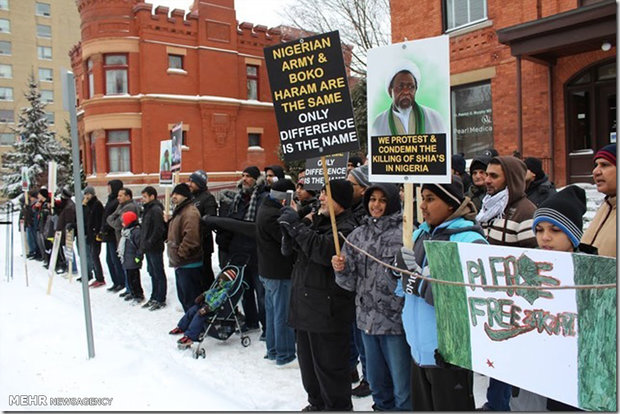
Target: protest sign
{"points": [[51, 177], [25, 179], [336, 169], [409, 112], [559, 343], [177, 142], [311, 99], [165, 164], [69, 239]]}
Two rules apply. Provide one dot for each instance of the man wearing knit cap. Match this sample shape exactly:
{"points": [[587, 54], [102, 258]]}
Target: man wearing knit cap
{"points": [[244, 207], [602, 230], [207, 206], [93, 215], [358, 177], [405, 115], [321, 312], [275, 274], [506, 217], [184, 250], [354, 162], [538, 186], [478, 172]]}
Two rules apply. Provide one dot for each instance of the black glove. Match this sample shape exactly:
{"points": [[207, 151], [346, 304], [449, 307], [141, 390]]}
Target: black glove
{"points": [[426, 292], [209, 222], [286, 248], [199, 299], [288, 220]]}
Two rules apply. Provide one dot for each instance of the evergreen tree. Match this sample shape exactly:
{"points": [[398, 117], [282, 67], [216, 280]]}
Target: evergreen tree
{"points": [[360, 113], [66, 159], [34, 148]]}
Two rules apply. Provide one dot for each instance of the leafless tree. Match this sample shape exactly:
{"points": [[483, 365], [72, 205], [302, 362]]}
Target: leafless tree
{"points": [[363, 24]]}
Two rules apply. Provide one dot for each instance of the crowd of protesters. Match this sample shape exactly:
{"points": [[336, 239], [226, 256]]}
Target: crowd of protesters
{"points": [[322, 311]]}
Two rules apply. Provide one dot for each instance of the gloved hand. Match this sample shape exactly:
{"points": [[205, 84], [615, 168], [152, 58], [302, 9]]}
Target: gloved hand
{"points": [[137, 260], [425, 290], [286, 246], [405, 259], [199, 299], [288, 220], [99, 237]]}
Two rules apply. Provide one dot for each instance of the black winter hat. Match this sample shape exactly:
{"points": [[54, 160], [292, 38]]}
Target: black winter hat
{"points": [[277, 171], [451, 193], [479, 163], [535, 166], [342, 192], [355, 161], [280, 187], [564, 209], [458, 163], [44, 192], [252, 171], [182, 189], [200, 178], [66, 193]]}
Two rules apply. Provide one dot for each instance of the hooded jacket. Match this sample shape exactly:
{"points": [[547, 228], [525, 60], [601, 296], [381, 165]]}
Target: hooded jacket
{"points": [[129, 247], [418, 316], [378, 308], [515, 227], [184, 235], [153, 231], [107, 232], [317, 303]]}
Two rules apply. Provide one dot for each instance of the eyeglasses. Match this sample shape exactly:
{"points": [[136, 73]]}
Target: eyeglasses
{"points": [[402, 86]]}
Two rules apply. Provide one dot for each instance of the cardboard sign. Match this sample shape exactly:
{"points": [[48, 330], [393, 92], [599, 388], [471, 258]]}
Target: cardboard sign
{"points": [[559, 343], [165, 163], [409, 112], [25, 179], [177, 142], [51, 177], [311, 97], [336, 169]]}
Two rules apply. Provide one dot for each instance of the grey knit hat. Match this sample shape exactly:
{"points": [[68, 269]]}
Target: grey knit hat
{"points": [[361, 175]]}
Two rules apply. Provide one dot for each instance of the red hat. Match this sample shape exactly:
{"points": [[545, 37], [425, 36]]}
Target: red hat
{"points": [[129, 217]]}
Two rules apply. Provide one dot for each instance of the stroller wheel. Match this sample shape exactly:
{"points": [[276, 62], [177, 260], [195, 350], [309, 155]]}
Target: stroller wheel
{"points": [[245, 341]]}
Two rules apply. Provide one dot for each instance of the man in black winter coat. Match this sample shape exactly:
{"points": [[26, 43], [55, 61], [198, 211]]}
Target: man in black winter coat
{"points": [[538, 186], [207, 206], [93, 214], [108, 236], [152, 236], [321, 312], [66, 221], [275, 274]]}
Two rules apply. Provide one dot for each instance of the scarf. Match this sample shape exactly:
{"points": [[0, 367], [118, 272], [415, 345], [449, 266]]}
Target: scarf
{"points": [[120, 250], [250, 213], [416, 122], [493, 206]]}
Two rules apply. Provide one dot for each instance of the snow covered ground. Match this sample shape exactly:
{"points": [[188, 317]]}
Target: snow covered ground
{"points": [[137, 366]]}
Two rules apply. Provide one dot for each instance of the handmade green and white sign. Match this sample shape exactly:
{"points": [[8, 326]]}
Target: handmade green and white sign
{"points": [[560, 343]]}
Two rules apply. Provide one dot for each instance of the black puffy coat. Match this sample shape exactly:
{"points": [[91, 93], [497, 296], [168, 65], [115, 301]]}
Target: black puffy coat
{"points": [[107, 232], [207, 206], [271, 263], [93, 215], [540, 190], [317, 303], [154, 230]]}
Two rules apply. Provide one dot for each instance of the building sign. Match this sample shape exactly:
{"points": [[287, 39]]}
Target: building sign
{"points": [[409, 112], [311, 97], [472, 118], [336, 169], [559, 343]]}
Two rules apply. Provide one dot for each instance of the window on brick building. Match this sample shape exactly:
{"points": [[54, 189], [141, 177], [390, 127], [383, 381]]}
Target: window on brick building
{"points": [[252, 81], [119, 150], [175, 62], [44, 52], [47, 96], [6, 71], [6, 93], [44, 30], [5, 26], [5, 47], [51, 118], [46, 75], [43, 9], [472, 118], [253, 140], [115, 69], [7, 138], [90, 78], [459, 13], [93, 154], [7, 116]]}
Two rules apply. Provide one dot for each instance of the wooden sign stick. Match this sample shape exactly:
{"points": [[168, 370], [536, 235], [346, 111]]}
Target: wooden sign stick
{"points": [[408, 216], [330, 205]]}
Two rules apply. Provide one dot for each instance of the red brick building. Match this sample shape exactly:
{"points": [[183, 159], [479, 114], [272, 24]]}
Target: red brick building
{"points": [[538, 76], [138, 72]]}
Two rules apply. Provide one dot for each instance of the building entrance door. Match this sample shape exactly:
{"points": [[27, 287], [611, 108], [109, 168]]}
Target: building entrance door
{"points": [[590, 117]]}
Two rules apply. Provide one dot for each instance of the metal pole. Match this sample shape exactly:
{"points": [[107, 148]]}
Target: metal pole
{"points": [[519, 109], [11, 243], [69, 104]]}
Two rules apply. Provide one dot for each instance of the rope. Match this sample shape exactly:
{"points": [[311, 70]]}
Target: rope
{"points": [[473, 285]]}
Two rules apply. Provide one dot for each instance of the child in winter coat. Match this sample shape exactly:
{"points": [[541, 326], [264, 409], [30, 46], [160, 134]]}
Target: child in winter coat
{"points": [[192, 323], [130, 255], [435, 385]]}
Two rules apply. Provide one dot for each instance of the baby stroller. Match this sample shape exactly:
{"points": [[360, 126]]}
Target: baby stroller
{"points": [[222, 322]]}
